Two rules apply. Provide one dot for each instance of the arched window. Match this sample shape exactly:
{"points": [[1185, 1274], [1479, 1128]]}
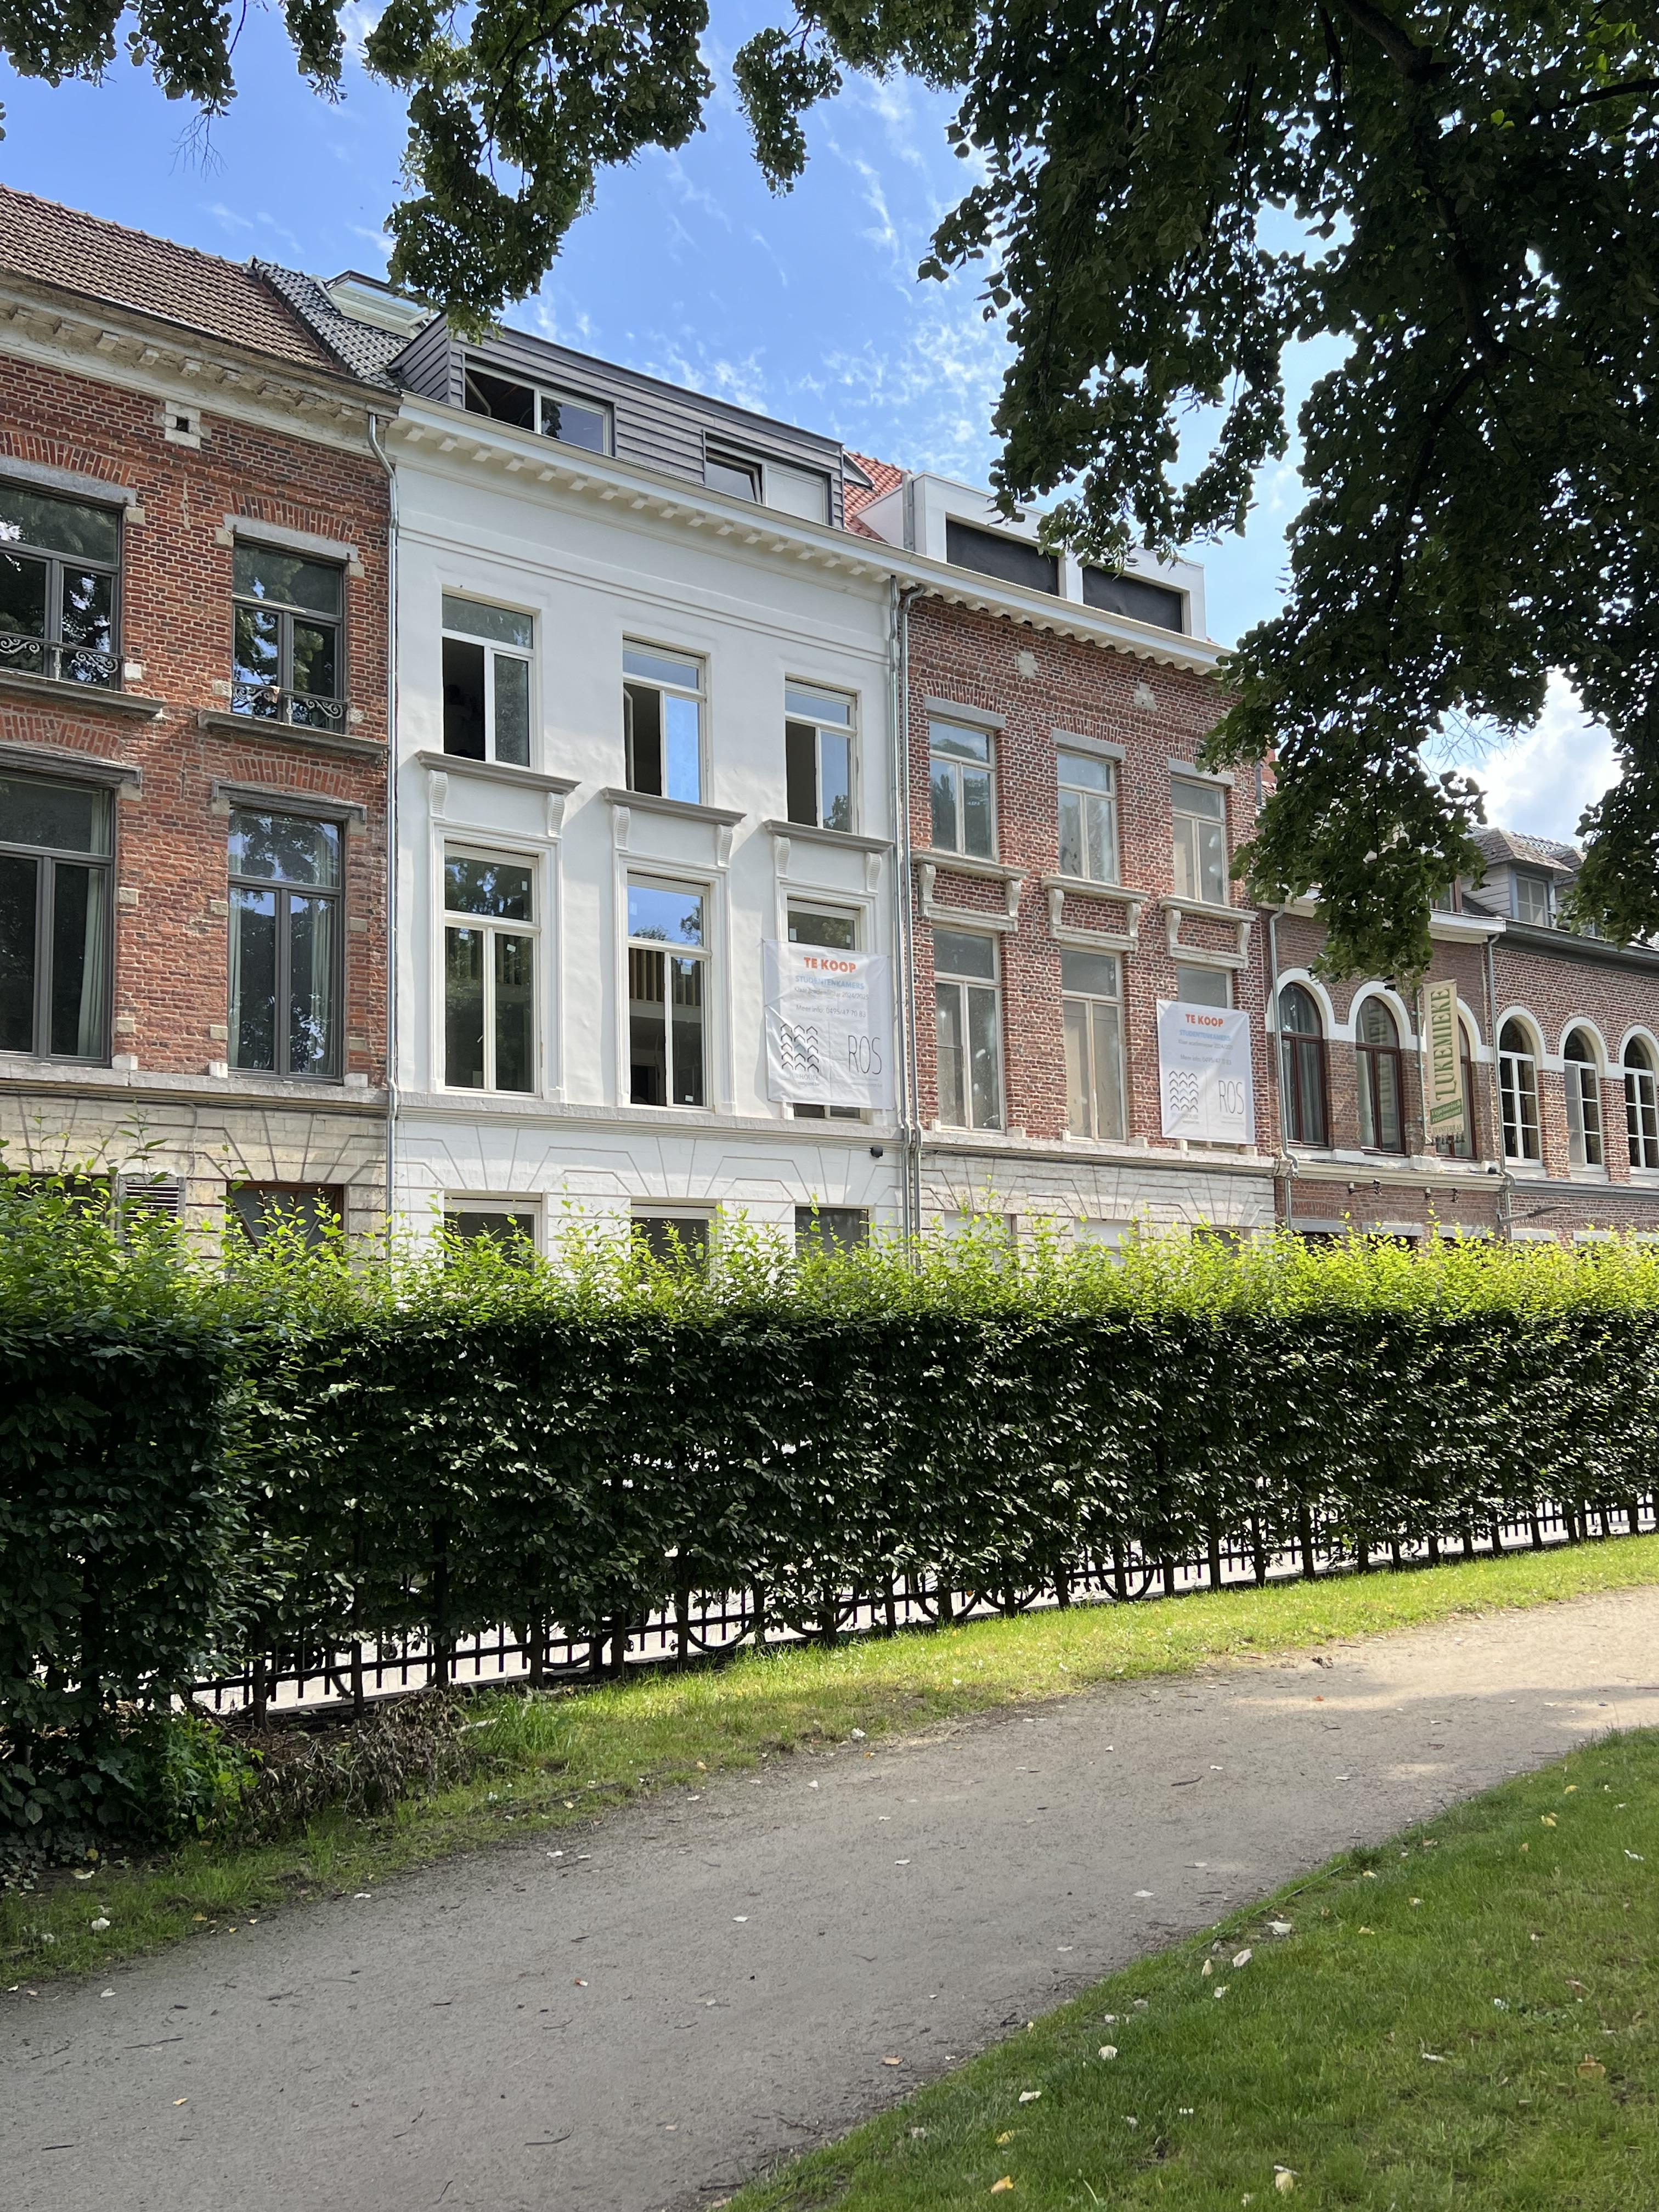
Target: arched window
{"points": [[1382, 1087], [1302, 1067], [1584, 1080], [1517, 1092], [1641, 1105], [1463, 1147]]}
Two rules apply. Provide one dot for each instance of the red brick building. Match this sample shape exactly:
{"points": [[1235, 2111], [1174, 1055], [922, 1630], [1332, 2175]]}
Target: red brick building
{"points": [[193, 656]]}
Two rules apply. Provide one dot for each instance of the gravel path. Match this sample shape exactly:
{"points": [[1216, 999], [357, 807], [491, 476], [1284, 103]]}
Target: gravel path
{"points": [[703, 1982]]}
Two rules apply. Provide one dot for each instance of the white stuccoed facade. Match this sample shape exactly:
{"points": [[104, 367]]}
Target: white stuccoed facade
{"points": [[597, 555]]}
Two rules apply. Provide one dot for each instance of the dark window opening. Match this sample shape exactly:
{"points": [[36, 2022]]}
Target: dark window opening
{"points": [[463, 699], [831, 1228], [730, 473], [514, 1231], [673, 1239], [500, 398], [1132, 596], [1302, 1059], [55, 918], [313, 1212], [58, 568], [286, 944], [1009, 559]]}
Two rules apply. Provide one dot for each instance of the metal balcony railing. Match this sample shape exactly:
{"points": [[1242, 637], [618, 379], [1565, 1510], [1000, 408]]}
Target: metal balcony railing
{"points": [[266, 702], [22, 655]]}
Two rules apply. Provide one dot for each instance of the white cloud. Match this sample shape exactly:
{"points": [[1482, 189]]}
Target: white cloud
{"points": [[1541, 781]]}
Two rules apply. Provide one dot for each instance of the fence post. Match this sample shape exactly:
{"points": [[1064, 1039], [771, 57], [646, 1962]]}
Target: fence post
{"points": [[1305, 1538], [683, 1625], [759, 1597], [259, 1688], [358, 1700], [1258, 1551], [535, 1652], [1214, 1558]]}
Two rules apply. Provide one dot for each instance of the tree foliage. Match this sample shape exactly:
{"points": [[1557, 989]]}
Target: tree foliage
{"points": [[1459, 198]]}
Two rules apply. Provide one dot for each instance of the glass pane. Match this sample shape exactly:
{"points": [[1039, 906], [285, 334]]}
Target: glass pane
{"points": [[950, 739], [464, 1008], [287, 848], [737, 479], [1071, 861], [643, 738], [512, 711], [1206, 801], [86, 624], [817, 706], [574, 424], [60, 526], [648, 1029], [838, 931], [253, 979], [1108, 1071], [1079, 1090], [1385, 1075], [1091, 975], [1212, 863], [80, 961], [463, 699], [67, 817], [1377, 1025], [310, 1210], [311, 950], [500, 398], [960, 952], [681, 747], [665, 913], [1087, 769], [500, 888], [22, 612], [1100, 818], [316, 660], [500, 625], [942, 789], [984, 1082], [18, 882], [953, 1058], [256, 656], [978, 835], [1197, 986], [800, 771], [661, 667], [685, 982], [509, 1229], [515, 1012], [835, 757], [798, 491], [287, 579], [674, 1239]]}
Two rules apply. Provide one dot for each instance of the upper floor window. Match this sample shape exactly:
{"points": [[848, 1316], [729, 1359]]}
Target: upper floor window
{"points": [[55, 846], [993, 553], [1641, 1105], [1380, 1067], [1198, 985], [969, 1016], [959, 781], [802, 492], [285, 943], [667, 997], [1517, 1092], [1134, 597], [1201, 840], [59, 566], [1301, 1067], [817, 757], [1088, 816], [490, 973], [487, 661], [288, 662], [562, 415], [1530, 897], [1583, 1071], [1091, 993], [662, 722], [837, 929]]}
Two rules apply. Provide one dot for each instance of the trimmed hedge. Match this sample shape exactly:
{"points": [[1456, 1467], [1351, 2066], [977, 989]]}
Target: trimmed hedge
{"points": [[298, 1451]]}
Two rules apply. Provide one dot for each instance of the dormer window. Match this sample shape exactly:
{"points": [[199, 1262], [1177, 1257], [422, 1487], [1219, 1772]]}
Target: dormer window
{"points": [[1530, 897], [1134, 597], [765, 483], [565, 415], [990, 553], [737, 479]]}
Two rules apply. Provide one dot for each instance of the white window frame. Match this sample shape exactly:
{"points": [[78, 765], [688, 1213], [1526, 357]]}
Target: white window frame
{"points": [[1641, 1106], [545, 393], [848, 729], [668, 690], [1582, 1078], [493, 650], [665, 877], [949, 979], [1535, 879], [829, 907], [1189, 842], [988, 767], [1518, 1080], [489, 1202], [1088, 797], [473, 848], [1090, 999]]}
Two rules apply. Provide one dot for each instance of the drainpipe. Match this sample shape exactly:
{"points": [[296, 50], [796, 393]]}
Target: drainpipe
{"points": [[381, 455], [1506, 1182], [898, 662], [1284, 1157]]}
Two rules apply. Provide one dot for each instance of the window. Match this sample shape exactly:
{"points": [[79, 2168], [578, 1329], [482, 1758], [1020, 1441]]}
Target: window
{"points": [[1302, 1067], [730, 473], [1134, 597], [667, 997], [1462, 1148], [1583, 1079], [1088, 816], [662, 723], [1530, 897], [285, 943], [287, 664], [489, 973], [970, 1030], [989, 553], [561, 414], [801, 492], [839, 932], [55, 907], [1381, 1071], [959, 782], [1517, 1092], [512, 1227], [831, 1228], [312, 1212], [817, 757], [673, 1237], [487, 656], [1199, 985], [59, 563], [1201, 840], [1641, 1105], [1091, 991]]}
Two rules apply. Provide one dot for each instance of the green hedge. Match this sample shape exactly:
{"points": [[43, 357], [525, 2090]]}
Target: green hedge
{"points": [[210, 1456]]}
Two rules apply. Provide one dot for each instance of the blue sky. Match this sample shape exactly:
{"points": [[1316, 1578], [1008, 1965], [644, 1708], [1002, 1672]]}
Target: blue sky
{"points": [[805, 307]]}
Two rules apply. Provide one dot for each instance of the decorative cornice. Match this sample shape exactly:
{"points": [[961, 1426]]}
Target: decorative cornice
{"points": [[932, 863], [1176, 910], [1060, 888]]}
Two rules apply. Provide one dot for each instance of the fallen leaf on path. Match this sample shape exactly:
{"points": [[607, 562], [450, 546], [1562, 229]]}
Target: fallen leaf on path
{"points": [[1006, 2182], [892, 2062], [179, 2101], [581, 1984], [1547, 1818], [1006, 2136]]}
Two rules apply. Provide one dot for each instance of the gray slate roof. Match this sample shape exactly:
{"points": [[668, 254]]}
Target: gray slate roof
{"points": [[367, 351]]}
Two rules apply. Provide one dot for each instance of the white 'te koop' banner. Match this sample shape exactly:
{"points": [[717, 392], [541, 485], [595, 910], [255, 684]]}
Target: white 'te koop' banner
{"points": [[1204, 1073], [828, 1026]]}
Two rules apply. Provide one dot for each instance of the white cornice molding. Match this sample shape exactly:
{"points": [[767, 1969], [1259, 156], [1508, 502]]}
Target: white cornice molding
{"points": [[472, 444]]}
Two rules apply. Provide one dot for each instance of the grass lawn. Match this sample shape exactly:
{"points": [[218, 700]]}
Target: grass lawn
{"points": [[566, 1758], [1466, 2018]]}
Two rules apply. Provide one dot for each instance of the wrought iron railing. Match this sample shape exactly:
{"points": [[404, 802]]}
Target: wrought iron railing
{"points": [[266, 702], [22, 655]]}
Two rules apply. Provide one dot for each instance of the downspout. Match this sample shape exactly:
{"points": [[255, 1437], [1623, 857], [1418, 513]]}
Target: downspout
{"points": [[1285, 1158], [904, 933], [381, 456], [1494, 1109]]}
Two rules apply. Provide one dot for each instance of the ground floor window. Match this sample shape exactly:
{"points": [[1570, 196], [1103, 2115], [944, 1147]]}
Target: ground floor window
{"points": [[674, 1236], [313, 1211], [831, 1228], [1092, 1010], [490, 928], [970, 1030], [667, 994], [505, 1222]]}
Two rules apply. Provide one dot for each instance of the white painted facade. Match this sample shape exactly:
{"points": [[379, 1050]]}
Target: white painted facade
{"points": [[600, 557]]}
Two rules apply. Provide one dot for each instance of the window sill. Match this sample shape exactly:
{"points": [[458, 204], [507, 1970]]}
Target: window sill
{"points": [[931, 860], [1060, 888], [14, 684], [968, 864], [502, 772], [253, 731], [1176, 911], [848, 840], [679, 810]]}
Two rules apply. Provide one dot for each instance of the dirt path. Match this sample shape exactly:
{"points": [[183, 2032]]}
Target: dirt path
{"points": [[721, 1978]]}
